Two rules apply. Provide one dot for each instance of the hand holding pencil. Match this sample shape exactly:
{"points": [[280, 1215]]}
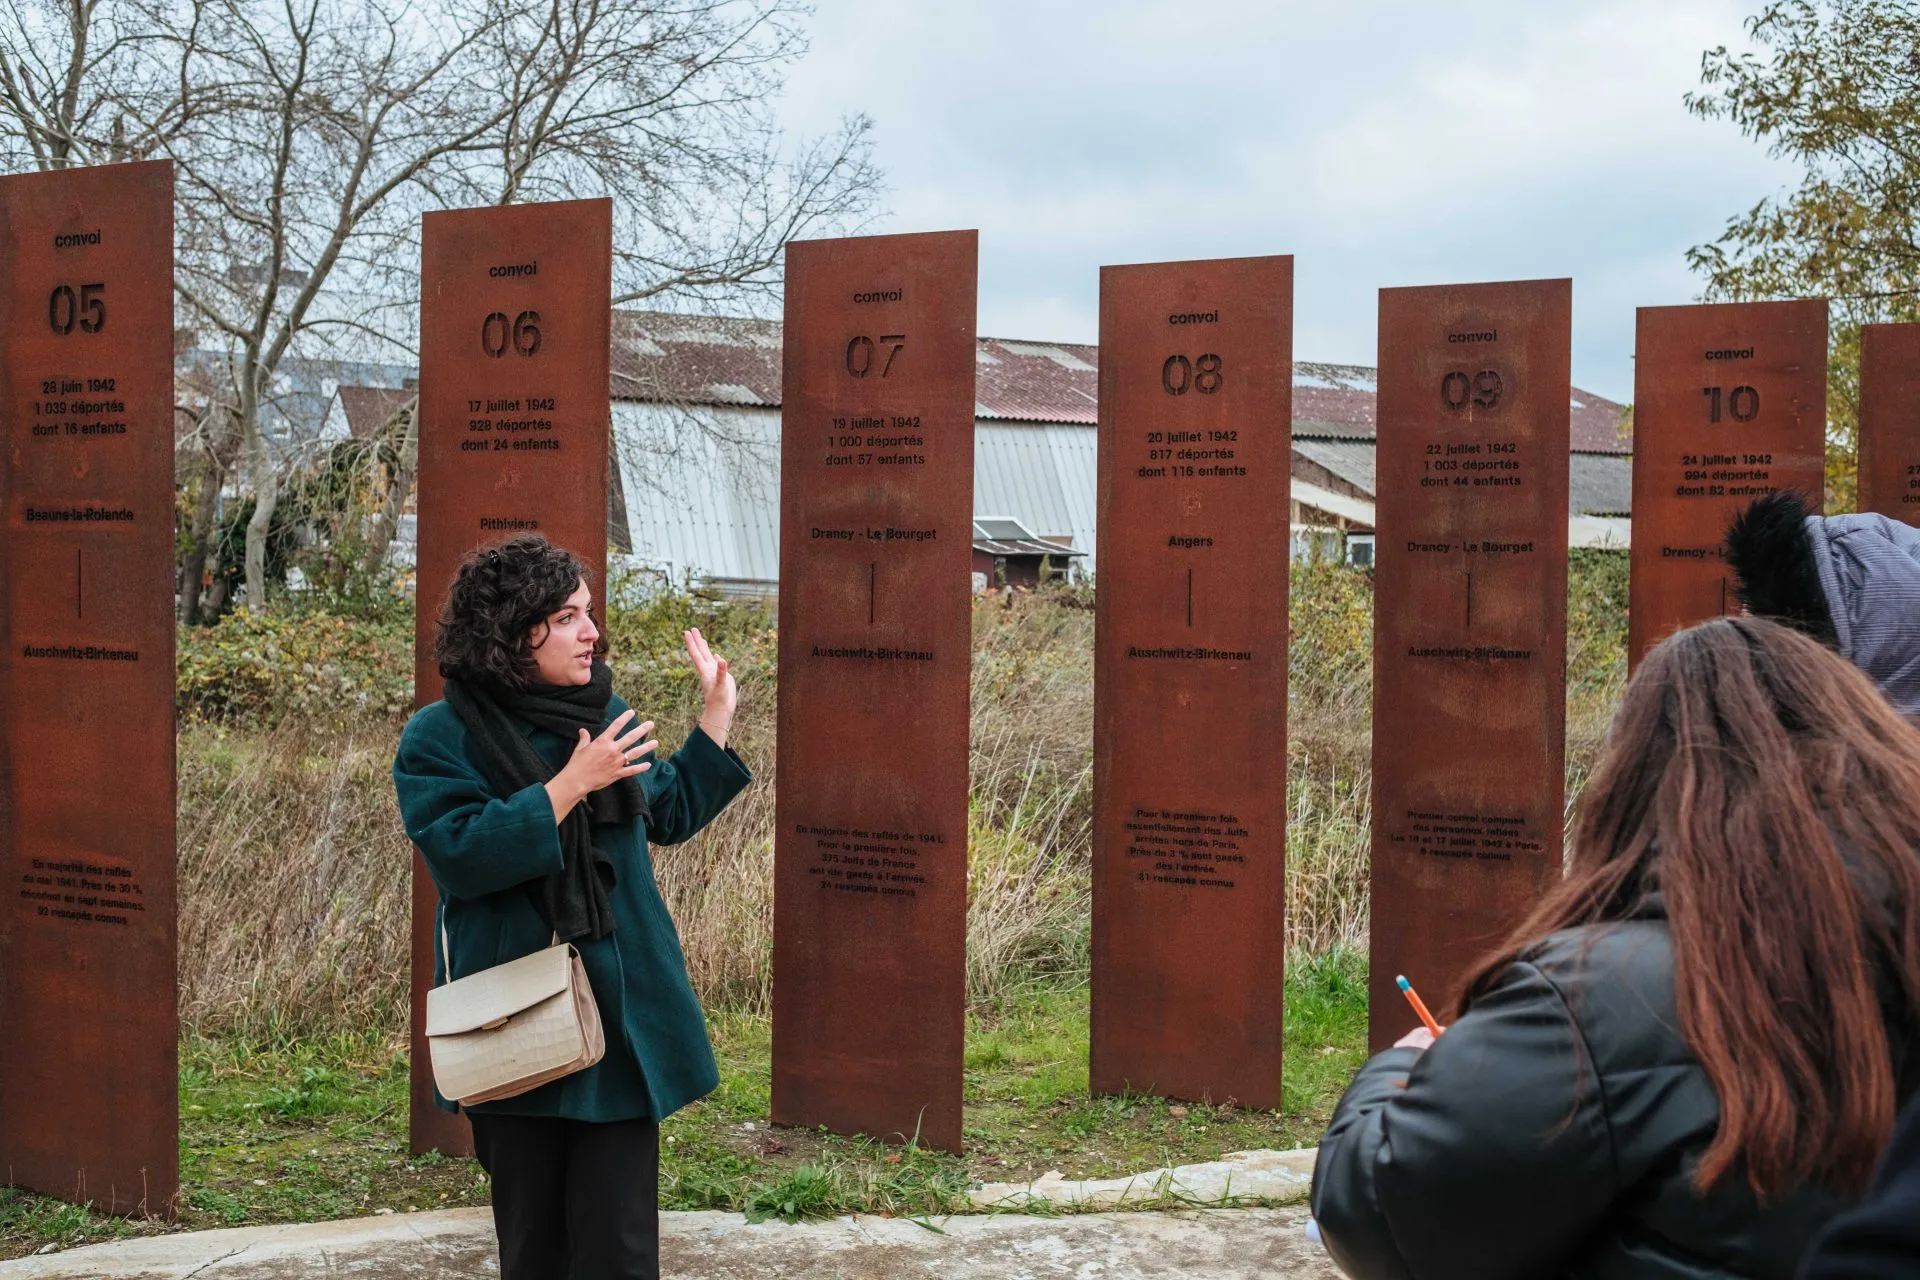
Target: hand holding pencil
{"points": [[1423, 1036]]}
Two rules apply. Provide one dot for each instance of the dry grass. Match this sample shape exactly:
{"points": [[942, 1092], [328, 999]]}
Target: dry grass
{"points": [[294, 874], [293, 881]]}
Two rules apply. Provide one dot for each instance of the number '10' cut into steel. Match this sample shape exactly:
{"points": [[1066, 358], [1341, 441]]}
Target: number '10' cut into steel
{"points": [[515, 309], [1190, 679], [88, 1041], [1729, 403], [1469, 629]]}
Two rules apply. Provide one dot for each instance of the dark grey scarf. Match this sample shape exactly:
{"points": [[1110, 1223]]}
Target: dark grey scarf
{"points": [[575, 901]]}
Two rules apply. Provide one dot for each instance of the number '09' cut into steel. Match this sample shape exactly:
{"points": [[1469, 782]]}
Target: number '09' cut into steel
{"points": [[1469, 631]]}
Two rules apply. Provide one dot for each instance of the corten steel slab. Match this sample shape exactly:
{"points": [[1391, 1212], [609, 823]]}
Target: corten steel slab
{"points": [[1890, 420], [515, 305], [870, 855], [88, 1039], [1469, 628], [1729, 403], [1190, 679]]}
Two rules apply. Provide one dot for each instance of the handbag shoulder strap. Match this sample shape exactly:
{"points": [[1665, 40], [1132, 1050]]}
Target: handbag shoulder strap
{"points": [[446, 947]]}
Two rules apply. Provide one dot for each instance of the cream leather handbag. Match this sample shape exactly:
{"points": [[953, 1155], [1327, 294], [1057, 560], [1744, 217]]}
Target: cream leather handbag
{"points": [[514, 1027]]}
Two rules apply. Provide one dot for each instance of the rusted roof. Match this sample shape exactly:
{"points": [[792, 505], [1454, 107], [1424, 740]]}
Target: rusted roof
{"points": [[370, 408], [723, 360]]}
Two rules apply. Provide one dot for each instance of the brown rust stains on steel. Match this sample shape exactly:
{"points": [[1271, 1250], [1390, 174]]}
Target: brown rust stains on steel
{"points": [[1190, 683], [514, 423], [1730, 402], [1469, 633], [88, 1054], [1890, 420], [870, 856]]}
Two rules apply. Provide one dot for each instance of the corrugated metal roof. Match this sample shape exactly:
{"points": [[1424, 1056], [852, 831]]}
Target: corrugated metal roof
{"points": [[1075, 452], [1014, 473], [703, 486], [1005, 536], [719, 360], [1600, 484], [1351, 460], [702, 489]]}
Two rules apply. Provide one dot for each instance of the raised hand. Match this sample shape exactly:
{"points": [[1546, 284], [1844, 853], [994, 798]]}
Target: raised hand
{"points": [[719, 695]]}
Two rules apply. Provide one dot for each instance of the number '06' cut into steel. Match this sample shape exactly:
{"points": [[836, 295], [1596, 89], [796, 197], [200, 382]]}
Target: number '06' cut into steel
{"points": [[515, 312]]}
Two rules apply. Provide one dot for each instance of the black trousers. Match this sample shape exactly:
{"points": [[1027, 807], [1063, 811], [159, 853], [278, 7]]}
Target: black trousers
{"points": [[573, 1200]]}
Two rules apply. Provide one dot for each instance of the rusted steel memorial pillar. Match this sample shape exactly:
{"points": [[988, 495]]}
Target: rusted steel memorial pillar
{"points": [[515, 309], [1469, 629], [1890, 420], [88, 1035], [870, 850], [1190, 679], [1729, 403]]}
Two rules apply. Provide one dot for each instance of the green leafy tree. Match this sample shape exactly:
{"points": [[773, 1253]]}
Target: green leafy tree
{"points": [[1835, 86]]}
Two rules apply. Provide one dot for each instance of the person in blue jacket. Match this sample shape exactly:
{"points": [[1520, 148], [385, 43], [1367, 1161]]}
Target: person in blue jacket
{"points": [[533, 797]]}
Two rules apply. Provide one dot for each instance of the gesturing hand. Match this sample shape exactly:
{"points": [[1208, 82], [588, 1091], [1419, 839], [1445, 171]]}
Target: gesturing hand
{"points": [[601, 762], [719, 694]]}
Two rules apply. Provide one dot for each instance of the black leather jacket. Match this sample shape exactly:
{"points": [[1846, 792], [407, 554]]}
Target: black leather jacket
{"points": [[1549, 1134]]}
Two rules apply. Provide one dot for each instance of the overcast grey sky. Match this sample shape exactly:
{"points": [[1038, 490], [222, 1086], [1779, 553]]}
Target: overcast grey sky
{"points": [[1380, 143]]}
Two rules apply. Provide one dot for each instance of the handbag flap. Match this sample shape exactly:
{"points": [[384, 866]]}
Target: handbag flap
{"points": [[496, 994]]}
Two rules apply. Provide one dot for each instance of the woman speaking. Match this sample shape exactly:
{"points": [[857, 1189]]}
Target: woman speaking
{"points": [[532, 795]]}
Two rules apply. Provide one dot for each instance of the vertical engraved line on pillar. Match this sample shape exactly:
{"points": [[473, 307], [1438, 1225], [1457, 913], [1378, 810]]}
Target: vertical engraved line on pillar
{"points": [[873, 575], [1189, 597]]}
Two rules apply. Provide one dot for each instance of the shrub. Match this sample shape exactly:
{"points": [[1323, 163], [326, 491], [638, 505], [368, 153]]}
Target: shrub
{"points": [[261, 669]]}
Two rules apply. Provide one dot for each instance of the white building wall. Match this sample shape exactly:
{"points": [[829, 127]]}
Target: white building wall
{"points": [[703, 486]]}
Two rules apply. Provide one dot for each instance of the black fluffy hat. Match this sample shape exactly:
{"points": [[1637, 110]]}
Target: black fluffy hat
{"points": [[1771, 552], [1853, 581]]}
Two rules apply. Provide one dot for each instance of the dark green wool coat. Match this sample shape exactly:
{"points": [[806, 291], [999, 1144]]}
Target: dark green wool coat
{"points": [[483, 848]]}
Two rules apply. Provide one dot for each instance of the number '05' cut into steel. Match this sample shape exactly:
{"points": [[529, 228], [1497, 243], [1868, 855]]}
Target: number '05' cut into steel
{"points": [[1190, 679], [88, 1041], [515, 310], [870, 851]]}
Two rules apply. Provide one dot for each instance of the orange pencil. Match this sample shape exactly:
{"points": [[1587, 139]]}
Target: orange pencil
{"points": [[1419, 1005]]}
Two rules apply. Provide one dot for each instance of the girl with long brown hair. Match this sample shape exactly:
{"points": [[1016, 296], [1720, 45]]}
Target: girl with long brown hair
{"points": [[1688, 1057]]}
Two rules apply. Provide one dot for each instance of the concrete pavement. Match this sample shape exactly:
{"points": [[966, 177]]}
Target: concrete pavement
{"points": [[457, 1244]]}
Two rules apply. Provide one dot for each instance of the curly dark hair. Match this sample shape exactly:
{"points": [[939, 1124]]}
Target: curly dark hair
{"points": [[498, 597]]}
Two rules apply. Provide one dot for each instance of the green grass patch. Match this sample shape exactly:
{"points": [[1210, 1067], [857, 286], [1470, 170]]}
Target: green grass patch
{"points": [[295, 1130]]}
